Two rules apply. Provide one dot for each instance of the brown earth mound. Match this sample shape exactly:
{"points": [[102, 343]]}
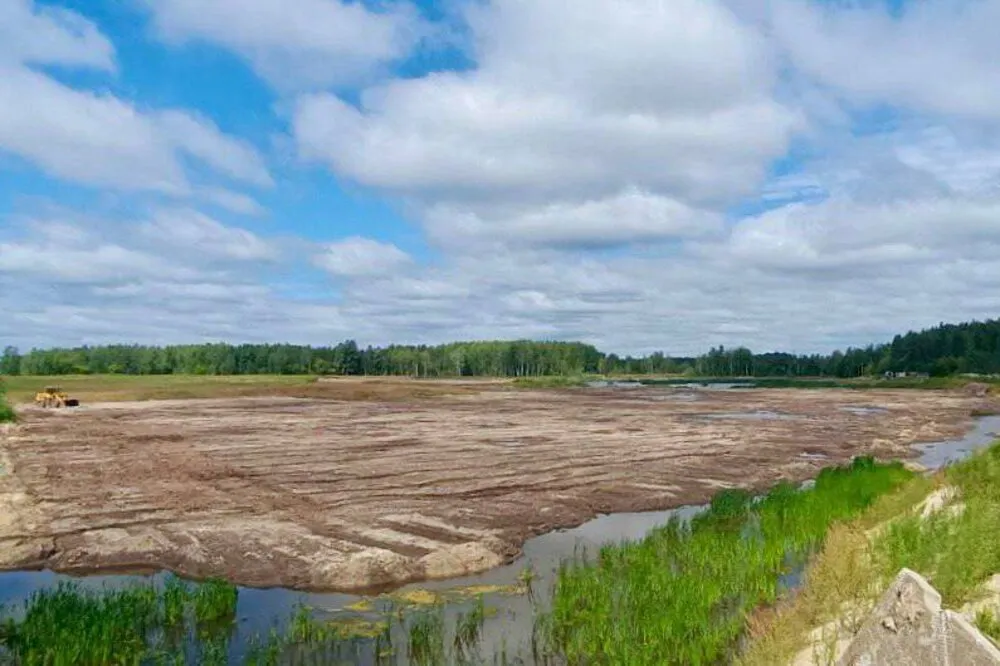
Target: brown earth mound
{"points": [[349, 495]]}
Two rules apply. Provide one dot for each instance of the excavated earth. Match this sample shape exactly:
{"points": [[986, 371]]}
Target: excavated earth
{"points": [[322, 494]]}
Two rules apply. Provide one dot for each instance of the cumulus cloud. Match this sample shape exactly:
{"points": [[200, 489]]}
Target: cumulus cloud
{"points": [[200, 138], [198, 233], [937, 56], [92, 137], [303, 43], [629, 217], [58, 252], [676, 105], [51, 36], [361, 257], [645, 175]]}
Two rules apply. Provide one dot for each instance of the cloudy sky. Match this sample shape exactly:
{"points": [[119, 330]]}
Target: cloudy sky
{"points": [[639, 174]]}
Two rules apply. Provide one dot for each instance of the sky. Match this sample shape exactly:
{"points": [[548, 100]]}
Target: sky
{"points": [[642, 175]]}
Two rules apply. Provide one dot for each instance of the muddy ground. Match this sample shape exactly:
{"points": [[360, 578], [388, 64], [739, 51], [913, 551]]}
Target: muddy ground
{"points": [[326, 494]]}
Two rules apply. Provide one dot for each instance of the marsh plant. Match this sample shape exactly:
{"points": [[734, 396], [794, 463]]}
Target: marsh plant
{"points": [[72, 625], [683, 594]]}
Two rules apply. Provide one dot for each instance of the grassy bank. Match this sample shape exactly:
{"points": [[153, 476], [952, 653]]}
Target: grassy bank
{"points": [[116, 388], [860, 383], [7, 414], [101, 388], [954, 547], [683, 594]]}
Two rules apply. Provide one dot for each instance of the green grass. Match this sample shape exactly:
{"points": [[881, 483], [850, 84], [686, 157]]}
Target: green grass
{"points": [[986, 622], [7, 414], [214, 601], [955, 549], [683, 594], [66, 625], [427, 644], [138, 624], [100, 388]]}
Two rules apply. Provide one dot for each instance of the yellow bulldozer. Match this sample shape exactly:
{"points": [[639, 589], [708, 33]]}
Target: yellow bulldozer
{"points": [[53, 396]]}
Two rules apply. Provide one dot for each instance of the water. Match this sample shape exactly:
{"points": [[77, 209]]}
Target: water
{"points": [[757, 415], [510, 628], [711, 385], [864, 411], [603, 383], [939, 454]]}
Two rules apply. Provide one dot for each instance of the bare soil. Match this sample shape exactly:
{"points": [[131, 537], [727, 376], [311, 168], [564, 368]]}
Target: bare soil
{"points": [[334, 494]]}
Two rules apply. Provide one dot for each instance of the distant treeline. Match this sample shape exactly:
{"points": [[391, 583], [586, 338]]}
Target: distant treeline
{"points": [[944, 350]]}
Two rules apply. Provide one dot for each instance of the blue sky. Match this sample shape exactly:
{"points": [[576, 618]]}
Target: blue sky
{"points": [[641, 175]]}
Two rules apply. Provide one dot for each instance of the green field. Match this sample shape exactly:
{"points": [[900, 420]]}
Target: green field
{"points": [[101, 388]]}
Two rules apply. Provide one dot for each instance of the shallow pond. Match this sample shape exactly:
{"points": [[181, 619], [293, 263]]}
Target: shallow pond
{"points": [[508, 625]]}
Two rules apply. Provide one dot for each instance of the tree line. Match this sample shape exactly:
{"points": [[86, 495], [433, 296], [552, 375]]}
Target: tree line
{"points": [[461, 359], [946, 349]]}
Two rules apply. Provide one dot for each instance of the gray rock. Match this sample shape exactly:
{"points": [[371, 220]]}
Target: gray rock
{"points": [[909, 628]]}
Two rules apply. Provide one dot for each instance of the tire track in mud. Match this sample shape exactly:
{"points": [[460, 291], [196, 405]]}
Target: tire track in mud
{"points": [[322, 494]]}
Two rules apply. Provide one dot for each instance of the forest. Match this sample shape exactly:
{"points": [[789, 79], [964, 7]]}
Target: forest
{"points": [[947, 349]]}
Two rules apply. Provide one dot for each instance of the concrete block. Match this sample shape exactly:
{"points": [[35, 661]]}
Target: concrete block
{"points": [[909, 628]]}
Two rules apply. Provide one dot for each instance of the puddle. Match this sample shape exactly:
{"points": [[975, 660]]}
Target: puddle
{"points": [[716, 386], [508, 626], [814, 456], [939, 454], [756, 415], [865, 411], [603, 383]]}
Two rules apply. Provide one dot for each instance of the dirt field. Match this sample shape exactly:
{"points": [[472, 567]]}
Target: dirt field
{"points": [[320, 493]]}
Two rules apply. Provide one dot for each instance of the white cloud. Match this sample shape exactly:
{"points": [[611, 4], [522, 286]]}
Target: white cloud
{"points": [[235, 202], [61, 253], [935, 55], [92, 137], [676, 105], [628, 217], [301, 43], [51, 36], [198, 233], [82, 136], [100, 140], [582, 180], [361, 257], [200, 138]]}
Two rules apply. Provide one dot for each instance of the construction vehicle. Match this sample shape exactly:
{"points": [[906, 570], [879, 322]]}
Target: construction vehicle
{"points": [[53, 396]]}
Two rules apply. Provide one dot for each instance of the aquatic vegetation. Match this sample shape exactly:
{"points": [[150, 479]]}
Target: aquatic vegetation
{"points": [[416, 597], [66, 625], [176, 598], [426, 640], [468, 627], [683, 594], [214, 601], [362, 606]]}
